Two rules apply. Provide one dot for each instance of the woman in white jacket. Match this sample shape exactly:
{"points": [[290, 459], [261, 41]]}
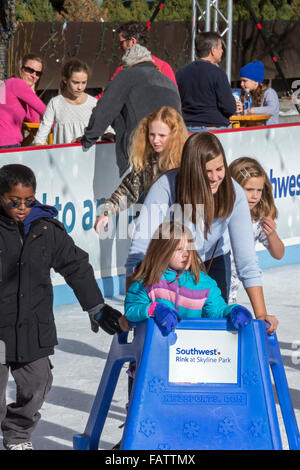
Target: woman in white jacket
{"points": [[69, 111]]}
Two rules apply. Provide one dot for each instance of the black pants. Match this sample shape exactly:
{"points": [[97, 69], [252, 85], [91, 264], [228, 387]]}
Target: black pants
{"points": [[33, 381]]}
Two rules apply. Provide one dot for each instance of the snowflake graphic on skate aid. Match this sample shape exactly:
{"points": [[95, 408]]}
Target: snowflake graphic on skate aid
{"points": [[226, 427], [191, 430], [147, 427], [156, 385]]}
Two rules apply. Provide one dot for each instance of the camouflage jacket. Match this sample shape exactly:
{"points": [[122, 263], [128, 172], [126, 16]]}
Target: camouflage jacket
{"points": [[133, 186]]}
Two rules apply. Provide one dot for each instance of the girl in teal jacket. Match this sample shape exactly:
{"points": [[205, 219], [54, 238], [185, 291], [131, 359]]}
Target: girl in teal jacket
{"points": [[171, 283]]}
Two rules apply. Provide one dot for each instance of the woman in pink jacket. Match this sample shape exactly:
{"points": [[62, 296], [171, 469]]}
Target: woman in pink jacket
{"points": [[18, 102]]}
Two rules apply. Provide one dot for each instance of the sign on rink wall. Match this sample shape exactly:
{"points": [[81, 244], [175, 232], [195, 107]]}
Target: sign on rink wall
{"points": [[77, 181]]}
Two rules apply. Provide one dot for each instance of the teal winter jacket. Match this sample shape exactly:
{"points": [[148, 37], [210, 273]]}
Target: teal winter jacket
{"points": [[182, 293]]}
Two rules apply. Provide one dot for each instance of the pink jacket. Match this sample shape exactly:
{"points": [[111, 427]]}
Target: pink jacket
{"points": [[17, 103], [164, 67]]}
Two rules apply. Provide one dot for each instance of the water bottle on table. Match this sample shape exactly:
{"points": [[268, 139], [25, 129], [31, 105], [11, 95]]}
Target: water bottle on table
{"points": [[247, 102]]}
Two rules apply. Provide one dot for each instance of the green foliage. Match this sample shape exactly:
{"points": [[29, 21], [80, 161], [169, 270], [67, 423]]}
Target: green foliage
{"points": [[141, 10], [34, 10], [267, 10], [116, 11], [176, 10]]}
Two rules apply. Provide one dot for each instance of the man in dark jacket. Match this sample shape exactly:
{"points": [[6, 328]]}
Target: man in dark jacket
{"points": [[32, 242], [133, 94], [205, 92]]}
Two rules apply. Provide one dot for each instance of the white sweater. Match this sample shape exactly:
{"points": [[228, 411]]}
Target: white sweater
{"points": [[69, 120]]}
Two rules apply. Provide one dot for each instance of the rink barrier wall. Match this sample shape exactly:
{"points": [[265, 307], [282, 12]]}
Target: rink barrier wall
{"points": [[76, 181]]}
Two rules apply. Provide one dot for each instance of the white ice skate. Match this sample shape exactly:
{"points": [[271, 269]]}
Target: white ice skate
{"points": [[21, 446]]}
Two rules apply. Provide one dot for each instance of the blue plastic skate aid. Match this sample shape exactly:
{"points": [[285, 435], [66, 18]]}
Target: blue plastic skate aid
{"points": [[206, 386]]}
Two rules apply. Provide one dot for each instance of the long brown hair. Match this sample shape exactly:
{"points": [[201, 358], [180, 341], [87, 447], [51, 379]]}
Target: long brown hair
{"points": [[257, 95], [161, 248], [193, 185], [244, 168], [140, 148], [73, 65]]}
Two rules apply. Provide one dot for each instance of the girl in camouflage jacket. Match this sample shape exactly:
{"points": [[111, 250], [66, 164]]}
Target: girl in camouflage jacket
{"points": [[156, 147]]}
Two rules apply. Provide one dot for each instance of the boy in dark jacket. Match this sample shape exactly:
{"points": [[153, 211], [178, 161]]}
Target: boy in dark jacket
{"points": [[32, 242]]}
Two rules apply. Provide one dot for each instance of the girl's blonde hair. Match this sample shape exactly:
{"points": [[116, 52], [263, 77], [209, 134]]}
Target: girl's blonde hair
{"points": [[244, 168], [140, 147], [161, 248]]}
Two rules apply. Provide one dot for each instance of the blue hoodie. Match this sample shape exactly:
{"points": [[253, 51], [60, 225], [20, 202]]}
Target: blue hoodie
{"points": [[37, 212]]}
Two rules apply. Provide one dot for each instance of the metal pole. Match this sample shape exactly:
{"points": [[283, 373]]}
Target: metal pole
{"points": [[216, 15], [207, 16], [194, 27]]}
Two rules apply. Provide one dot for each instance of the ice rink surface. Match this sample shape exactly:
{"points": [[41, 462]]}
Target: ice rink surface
{"points": [[81, 354]]}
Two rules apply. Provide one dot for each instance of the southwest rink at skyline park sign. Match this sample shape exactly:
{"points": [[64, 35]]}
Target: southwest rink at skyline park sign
{"points": [[204, 357]]}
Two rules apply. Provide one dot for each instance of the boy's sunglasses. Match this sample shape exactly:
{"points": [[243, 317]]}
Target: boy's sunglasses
{"points": [[14, 204], [32, 71]]}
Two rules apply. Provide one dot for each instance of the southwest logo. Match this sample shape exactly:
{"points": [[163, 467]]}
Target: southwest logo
{"points": [[198, 352]]}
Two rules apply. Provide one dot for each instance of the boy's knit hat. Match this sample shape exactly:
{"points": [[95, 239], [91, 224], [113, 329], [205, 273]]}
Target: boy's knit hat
{"points": [[254, 70], [135, 55]]}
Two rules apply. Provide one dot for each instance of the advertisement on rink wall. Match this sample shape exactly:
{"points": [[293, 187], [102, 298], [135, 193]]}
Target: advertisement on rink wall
{"points": [[77, 181]]}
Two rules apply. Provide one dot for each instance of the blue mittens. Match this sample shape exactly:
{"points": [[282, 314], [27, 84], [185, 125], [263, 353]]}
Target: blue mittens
{"points": [[240, 316], [165, 317]]}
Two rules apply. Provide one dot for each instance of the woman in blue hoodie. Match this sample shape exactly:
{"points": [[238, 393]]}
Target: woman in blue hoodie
{"points": [[202, 194]]}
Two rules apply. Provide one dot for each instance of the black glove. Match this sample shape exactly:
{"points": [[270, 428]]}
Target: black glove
{"points": [[108, 137], [106, 317]]}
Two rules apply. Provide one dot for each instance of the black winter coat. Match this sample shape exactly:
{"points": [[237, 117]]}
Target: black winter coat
{"points": [[26, 295]]}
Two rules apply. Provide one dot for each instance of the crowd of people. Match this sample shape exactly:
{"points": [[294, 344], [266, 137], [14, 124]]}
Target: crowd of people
{"points": [[178, 268]]}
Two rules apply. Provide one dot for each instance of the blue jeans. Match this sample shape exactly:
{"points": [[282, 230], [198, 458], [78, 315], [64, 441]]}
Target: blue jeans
{"points": [[220, 271], [204, 128], [10, 146]]}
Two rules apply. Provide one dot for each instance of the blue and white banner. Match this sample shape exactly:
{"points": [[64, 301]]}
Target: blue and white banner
{"points": [[77, 181]]}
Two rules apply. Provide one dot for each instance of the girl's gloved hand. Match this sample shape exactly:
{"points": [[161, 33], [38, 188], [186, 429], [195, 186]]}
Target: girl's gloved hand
{"points": [[165, 317], [240, 316]]}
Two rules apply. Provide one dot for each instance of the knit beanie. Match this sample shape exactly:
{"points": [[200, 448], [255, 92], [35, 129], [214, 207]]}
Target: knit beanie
{"points": [[135, 55], [254, 70]]}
